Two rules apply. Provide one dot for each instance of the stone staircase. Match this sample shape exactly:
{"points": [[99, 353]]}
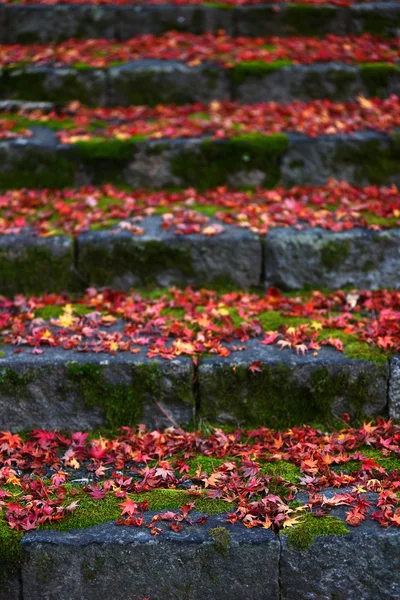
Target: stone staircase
{"points": [[50, 141]]}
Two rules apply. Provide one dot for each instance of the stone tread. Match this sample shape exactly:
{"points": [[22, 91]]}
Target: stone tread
{"points": [[29, 23], [152, 82], [47, 390], [360, 159], [285, 257], [114, 561]]}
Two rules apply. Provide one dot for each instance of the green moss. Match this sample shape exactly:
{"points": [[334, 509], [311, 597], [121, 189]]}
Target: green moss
{"points": [[376, 77], [207, 464], [21, 83], [35, 270], [214, 161], [379, 23], [255, 68], [375, 161], [334, 253], [275, 397], [122, 404], [272, 320], [353, 348], [146, 260], [389, 463], [144, 88], [303, 535], [222, 540], [373, 219], [110, 149], [35, 168], [309, 20], [53, 311], [283, 469], [10, 551]]}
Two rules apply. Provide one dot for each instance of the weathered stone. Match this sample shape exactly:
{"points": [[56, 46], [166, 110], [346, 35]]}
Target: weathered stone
{"points": [[119, 259], [381, 18], [32, 264], [137, 20], [73, 390], [10, 588], [361, 159], [334, 81], [316, 257], [394, 388], [60, 85], [290, 389], [289, 20], [153, 82], [364, 564], [41, 23], [120, 562]]}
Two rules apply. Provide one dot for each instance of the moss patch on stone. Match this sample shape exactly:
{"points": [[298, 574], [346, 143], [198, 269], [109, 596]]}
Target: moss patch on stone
{"points": [[35, 168], [240, 72], [282, 469], [36, 269], [214, 161], [122, 404], [303, 535], [376, 77], [309, 20], [105, 263], [146, 88], [222, 539], [275, 397], [376, 161]]}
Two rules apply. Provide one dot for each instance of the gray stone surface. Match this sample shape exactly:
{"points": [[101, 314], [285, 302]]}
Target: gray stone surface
{"points": [[361, 158], [30, 264], [60, 85], [121, 562], [153, 82], [290, 388], [394, 388], [317, 257], [271, 20], [41, 23], [39, 390], [10, 588], [120, 259], [334, 81], [364, 564], [376, 17]]}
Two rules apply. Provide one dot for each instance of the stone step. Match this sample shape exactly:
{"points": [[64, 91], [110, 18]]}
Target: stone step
{"points": [[44, 23], [152, 82], [216, 560], [41, 161], [57, 388], [288, 258]]}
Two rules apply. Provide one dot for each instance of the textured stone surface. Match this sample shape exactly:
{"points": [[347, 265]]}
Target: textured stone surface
{"points": [[61, 85], [39, 390], [394, 388], [317, 257], [337, 82], [364, 564], [375, 17], [290, 389], [360, 159], [120, 259], [31, 264], [109, 561], [161, 82]]}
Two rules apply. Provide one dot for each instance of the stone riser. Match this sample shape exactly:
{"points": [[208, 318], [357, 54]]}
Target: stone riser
{"points": [[153, 82], [285, 257], [26, 24], [360, 159], [62, 389], [107, 561]]}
